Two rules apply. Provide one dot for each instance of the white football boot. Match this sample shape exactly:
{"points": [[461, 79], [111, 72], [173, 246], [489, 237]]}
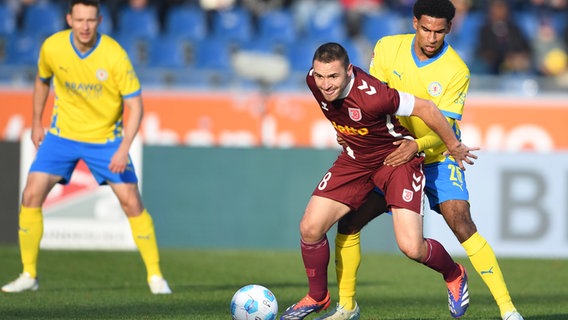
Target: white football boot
{"points": [[159, 285], [513, 315], [340, 313], [23, 283]]}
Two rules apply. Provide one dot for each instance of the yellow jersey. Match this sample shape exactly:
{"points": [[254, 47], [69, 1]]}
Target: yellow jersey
{"points": [[89, 87], [444, 79]]}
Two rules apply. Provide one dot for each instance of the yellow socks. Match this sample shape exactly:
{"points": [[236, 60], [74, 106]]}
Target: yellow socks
{"points": [[347, 261], [485, 263], [145, 238], [29, 234]]}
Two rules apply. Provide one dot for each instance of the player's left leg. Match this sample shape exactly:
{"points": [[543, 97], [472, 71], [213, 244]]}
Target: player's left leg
{"points": [[143, 232], [408, 233], [348, 254], [125, 187], [458, 217], [447, 191]]}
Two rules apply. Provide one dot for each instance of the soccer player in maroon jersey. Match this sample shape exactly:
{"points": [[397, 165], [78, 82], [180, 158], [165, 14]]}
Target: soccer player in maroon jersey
{"points": [[363, 112]]}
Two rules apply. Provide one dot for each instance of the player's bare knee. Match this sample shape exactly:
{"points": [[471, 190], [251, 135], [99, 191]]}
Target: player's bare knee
{"points": [[132, 207], [414, 252], [310, 233], [31, 198], [464, 231]]}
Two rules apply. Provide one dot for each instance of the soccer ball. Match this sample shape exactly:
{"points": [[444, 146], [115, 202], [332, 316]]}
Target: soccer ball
{"points": [[254, 302]]}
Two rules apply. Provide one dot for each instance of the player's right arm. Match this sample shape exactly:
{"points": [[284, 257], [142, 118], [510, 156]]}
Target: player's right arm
{"points": [[40, 95], [433, 118]]}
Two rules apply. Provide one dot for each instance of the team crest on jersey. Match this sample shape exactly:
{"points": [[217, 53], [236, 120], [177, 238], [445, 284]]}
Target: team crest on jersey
{"points": [[102, 75], [407, 195], [435, 89], [355, 114]]}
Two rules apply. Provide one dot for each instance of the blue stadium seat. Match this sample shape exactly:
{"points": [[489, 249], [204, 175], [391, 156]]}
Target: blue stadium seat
{"points": [[301, 54], [233, 24], [528, 22], [171, 52], [326, 24], [464, 37], [140, 24], [43, 19], [106, 25], [377, 25], [213, 54], [137, 49], [278, 25], [23, 49], [186, 21], [266, 45], [355, 55], [7, 20]]}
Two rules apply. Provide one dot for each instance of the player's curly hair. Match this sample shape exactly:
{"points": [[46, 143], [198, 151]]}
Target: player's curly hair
{"points": [[434, 8], [331, 51]]}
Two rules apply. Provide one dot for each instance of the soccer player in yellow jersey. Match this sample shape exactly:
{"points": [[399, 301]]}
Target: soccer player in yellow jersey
{"points": [[93, 79], [425, 65]]}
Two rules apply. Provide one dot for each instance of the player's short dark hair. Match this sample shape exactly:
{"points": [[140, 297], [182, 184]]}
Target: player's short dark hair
{"points": [[94, 3], [331, 51], [434, 8]]}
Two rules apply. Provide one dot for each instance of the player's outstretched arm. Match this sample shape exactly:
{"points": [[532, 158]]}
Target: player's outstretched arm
{"points": [[431, 115]]}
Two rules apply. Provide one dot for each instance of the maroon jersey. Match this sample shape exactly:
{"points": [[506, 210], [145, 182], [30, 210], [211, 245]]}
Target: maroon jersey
{"points": [[364, 118]]}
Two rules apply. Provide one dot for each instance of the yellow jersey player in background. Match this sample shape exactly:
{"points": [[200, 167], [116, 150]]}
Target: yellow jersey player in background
{"points": [[425, 65], [93, 80]]}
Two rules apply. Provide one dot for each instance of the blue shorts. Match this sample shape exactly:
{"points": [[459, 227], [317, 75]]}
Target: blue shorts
{"points": [[59, 156], [444, 181]]}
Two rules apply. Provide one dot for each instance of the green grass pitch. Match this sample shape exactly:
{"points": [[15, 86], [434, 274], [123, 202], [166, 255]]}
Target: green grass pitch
{"points": [[111, 285]]}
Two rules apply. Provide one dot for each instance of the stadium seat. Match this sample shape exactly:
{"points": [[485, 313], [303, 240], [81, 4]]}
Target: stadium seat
{"points": [[326, 24], [107, 25], [355, 55], [23, 49], [266, 45], [379, 24], [464, 36], [139, 24], [43, 19], [277, 25], [301, 54], [7, 20], [7, 27], [137, 49], [233, 24], [186, 21], [528, 22], [213, 54], [171, 52]]}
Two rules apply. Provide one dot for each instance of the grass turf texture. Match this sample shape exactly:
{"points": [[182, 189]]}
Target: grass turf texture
{"points": [[111, 285]]}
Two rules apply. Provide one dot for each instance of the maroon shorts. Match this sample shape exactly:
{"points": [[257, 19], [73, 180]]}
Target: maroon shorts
{"points": [[350, 184]]}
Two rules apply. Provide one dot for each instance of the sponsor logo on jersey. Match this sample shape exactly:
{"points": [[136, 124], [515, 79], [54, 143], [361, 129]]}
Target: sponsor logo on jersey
{"points": [[350, 130], [86, 90]]}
